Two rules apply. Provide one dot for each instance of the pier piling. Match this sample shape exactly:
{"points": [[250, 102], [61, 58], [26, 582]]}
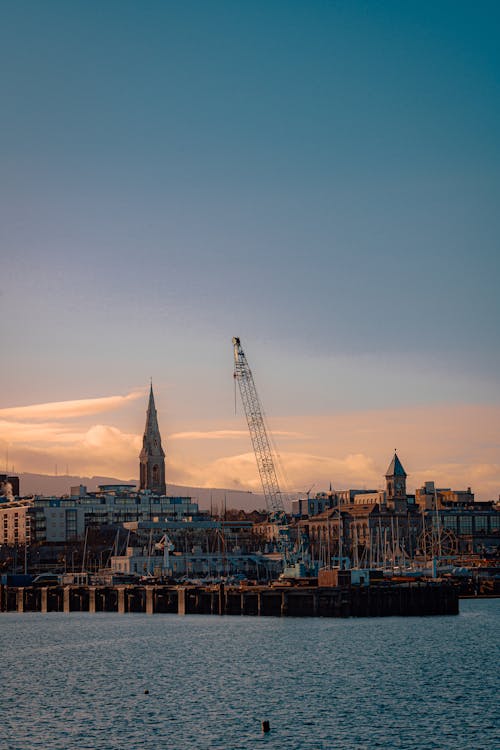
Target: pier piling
{"points": [[386, 599]]}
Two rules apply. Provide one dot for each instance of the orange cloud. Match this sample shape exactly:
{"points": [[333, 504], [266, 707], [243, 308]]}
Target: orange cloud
{"points": [[69, 409], [225, 434], [240, 471], [99, 450], [456, 446], [92, 448]]}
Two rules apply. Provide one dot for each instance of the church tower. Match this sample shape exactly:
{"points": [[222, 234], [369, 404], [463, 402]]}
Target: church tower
{"points": [[396, 480], [152, 457]]}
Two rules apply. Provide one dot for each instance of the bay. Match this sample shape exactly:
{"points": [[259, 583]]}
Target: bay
{"points": [[79, 681]]}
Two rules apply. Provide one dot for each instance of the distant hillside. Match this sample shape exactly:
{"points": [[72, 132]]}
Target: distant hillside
{"points": [[45, 484]]}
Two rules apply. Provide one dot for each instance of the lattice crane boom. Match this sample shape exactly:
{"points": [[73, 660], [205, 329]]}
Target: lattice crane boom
{"points": [[258, 434]]}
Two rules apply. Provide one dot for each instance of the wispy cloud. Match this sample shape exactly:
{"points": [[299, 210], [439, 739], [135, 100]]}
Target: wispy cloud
{"points": [[69, 409], [227, 434]]}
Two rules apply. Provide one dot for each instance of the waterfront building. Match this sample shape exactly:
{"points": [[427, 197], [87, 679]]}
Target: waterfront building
{"points": [[366, 534], [311, 506], [16, 522], [375, 526], [64, 519], [197, 546], [465, 530], [197, 563], [429, 497], [322, 501]]}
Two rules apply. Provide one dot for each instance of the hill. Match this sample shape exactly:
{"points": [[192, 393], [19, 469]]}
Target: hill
{"points": [[46, 484]]}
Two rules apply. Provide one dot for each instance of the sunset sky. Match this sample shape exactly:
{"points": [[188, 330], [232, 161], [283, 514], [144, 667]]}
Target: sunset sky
{"points": [[321, 179]]}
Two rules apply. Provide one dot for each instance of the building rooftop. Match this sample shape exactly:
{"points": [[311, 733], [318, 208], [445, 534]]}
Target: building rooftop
{"points": [[395, 468]]}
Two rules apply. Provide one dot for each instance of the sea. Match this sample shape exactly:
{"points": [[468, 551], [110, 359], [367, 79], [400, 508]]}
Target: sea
{"points": [[134, 682]]}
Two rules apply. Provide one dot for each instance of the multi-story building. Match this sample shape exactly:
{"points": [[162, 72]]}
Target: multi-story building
{"points": [[64, 519], [392, 525], [16, 522], [429, 497]]}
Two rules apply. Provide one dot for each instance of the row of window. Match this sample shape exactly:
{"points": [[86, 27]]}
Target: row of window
{"points": [[465, 524]]}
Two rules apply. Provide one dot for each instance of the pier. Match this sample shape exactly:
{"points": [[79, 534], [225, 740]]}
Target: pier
{"points": [[405, 599]]}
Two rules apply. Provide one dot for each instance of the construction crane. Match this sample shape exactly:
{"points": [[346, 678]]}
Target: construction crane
{"points": [[264, 456]]}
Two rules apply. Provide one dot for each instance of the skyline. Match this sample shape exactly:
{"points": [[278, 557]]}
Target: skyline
{"points": [[310, 453], [322, 181]]}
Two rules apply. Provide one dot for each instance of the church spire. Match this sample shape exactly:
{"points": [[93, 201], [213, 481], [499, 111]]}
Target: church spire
{"points": [[152, 456]]}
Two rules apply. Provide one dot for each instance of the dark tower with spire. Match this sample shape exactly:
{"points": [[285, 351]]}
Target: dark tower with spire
{"points": [[396, 480], [152, 457]]}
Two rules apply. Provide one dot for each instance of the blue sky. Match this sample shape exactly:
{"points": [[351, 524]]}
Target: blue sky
{"points": [[321, 179]]}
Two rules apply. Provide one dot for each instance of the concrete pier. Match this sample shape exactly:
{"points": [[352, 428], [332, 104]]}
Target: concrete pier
{"points": [[387, 599]]}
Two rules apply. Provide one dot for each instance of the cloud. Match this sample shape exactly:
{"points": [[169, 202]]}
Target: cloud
{"points": [[101, 449], [63, 440], [69, 409], [208, 435], [227, 434], [456, 446], [300, 471]]}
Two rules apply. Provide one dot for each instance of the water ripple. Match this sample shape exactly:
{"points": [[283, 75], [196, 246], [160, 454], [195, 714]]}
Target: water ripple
{"points": [[77, 681]]}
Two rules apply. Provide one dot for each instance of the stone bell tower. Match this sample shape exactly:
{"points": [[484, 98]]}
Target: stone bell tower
{"points": [[152, 456]]}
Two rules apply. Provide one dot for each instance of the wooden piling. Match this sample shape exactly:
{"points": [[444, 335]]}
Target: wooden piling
{"points": [[181, 601], [150, 601], [122, 607], [284, 604]]}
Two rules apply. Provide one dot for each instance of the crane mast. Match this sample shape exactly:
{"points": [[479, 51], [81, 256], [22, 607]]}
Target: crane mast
{"points": [[262, 447]]}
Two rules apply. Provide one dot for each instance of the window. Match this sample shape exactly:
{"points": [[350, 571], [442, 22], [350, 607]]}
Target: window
{"points": [[481, 523], [465, 525], [450, 522]]}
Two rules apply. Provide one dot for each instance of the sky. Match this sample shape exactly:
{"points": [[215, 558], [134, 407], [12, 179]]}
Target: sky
{"points": [[321, 179]]}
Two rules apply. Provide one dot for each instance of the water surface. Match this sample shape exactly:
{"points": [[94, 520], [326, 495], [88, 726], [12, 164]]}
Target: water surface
{"points": [[72, 681]]}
